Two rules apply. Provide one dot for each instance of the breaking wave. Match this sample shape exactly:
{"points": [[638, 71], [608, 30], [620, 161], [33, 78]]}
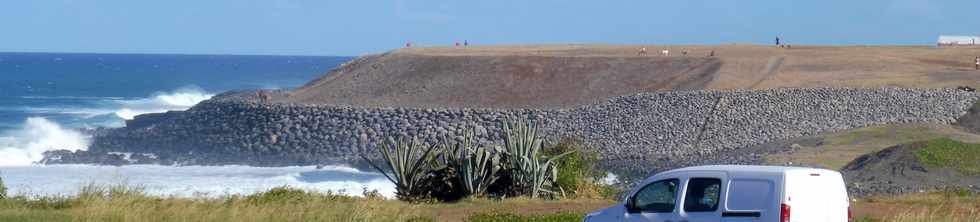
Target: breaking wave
{"points": [[180, 99], [27, 144], [192, 181], [123, 108]]}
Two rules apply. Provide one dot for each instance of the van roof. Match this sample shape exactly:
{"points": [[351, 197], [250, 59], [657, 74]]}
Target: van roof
{"points": [[741, 168]]}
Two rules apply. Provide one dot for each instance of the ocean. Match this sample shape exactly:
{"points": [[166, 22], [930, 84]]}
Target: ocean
{"points": [[45, 98]]}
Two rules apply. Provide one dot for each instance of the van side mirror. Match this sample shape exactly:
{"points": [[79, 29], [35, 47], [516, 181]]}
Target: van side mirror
{"points": [[630, 207]]}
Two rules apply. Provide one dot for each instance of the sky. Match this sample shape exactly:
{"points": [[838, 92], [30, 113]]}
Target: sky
{"points": [[356, 27]]}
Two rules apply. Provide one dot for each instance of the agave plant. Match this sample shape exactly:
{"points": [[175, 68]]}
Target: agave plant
{"points": [[531, 173], [407, 164], [475, 166]]}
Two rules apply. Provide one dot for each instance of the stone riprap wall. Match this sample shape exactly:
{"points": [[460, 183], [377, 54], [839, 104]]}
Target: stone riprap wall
{"points": [[638, 133]]}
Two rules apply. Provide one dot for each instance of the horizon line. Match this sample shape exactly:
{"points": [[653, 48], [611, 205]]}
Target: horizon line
{"points": [[450, 45], [166, 53]]}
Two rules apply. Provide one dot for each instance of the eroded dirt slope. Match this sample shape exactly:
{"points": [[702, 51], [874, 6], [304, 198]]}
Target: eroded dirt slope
{"points": [[502, 81], [547, 76]]}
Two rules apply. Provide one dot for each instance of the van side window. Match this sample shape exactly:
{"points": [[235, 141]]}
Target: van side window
{"points": [[749, 195], [657, 197], [702, 195]]}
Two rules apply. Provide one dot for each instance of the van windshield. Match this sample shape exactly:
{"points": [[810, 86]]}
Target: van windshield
{"points": [[657, 197]]}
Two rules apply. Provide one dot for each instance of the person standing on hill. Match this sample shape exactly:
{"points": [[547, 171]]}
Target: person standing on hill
{"points": [[777, 40], [977, 63]]}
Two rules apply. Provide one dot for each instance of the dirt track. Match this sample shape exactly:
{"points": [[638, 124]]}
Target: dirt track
{"points": [[570, 75], [504, 81]]}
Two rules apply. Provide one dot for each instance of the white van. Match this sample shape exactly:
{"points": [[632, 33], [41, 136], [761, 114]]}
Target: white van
{"points": [[734, 193]]}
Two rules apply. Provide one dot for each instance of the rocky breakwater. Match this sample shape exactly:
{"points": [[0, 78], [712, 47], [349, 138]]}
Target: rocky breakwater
{"points": [[634, 134]]}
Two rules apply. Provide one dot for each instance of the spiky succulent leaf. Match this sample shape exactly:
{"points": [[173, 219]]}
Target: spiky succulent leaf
{"points": [[531, 175], [408, 162]]}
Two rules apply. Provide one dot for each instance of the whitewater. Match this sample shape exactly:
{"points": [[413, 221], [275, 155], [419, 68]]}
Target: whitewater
{"points": [[49, 100], [190, 181], [21, 148], [37, 135]]}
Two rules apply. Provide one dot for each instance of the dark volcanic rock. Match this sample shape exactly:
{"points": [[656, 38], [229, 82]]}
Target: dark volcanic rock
{"points": [[896, 170], [971, 120], [635, 135]]}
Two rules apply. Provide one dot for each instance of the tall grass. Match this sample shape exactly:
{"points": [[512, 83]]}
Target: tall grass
{"points": [[125, 203], [948, 206], [128, 203]]}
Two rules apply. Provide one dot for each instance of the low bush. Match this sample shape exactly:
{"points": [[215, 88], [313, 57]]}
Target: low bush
{"points": [[507, 217], [455, 170], [577, 173], [3, 189]]}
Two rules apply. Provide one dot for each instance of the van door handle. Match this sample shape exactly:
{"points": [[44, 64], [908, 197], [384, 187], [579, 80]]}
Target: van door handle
{"points": [[741, 214]]}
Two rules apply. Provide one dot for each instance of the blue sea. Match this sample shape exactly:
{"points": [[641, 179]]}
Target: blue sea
{"points": [[92, 90], [45, 98]]}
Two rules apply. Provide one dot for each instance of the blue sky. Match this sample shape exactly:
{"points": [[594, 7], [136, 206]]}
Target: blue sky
{"points": [[354, 27]]}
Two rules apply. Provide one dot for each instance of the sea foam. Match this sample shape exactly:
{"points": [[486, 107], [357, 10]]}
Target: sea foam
{"points": [[180, 99], [27, 144], [123, 108], [191, 181]]}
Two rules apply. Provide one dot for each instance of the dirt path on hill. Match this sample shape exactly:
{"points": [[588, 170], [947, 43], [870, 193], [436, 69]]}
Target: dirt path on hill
{"points": [[570, 75], [770, 71]]}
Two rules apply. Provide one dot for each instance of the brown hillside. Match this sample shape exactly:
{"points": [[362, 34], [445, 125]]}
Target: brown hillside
{"points": [[571, 75]]}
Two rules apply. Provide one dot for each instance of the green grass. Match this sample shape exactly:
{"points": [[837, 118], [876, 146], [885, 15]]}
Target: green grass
{"points": [[126, 203], [950, 205], [949, 153], [837, 149], [123, 203], [885, 133], [560, 217]]}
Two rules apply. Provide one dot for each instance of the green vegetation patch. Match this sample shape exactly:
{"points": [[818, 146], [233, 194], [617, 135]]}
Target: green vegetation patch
{"points": [[949, 153], [885, 134], [515, 218], [3, 189]]}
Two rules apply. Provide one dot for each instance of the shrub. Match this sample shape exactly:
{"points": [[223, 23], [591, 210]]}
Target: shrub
{"points": [[458, 169], [497, 217], [577, 171], [278, 194], [3, 189]]}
